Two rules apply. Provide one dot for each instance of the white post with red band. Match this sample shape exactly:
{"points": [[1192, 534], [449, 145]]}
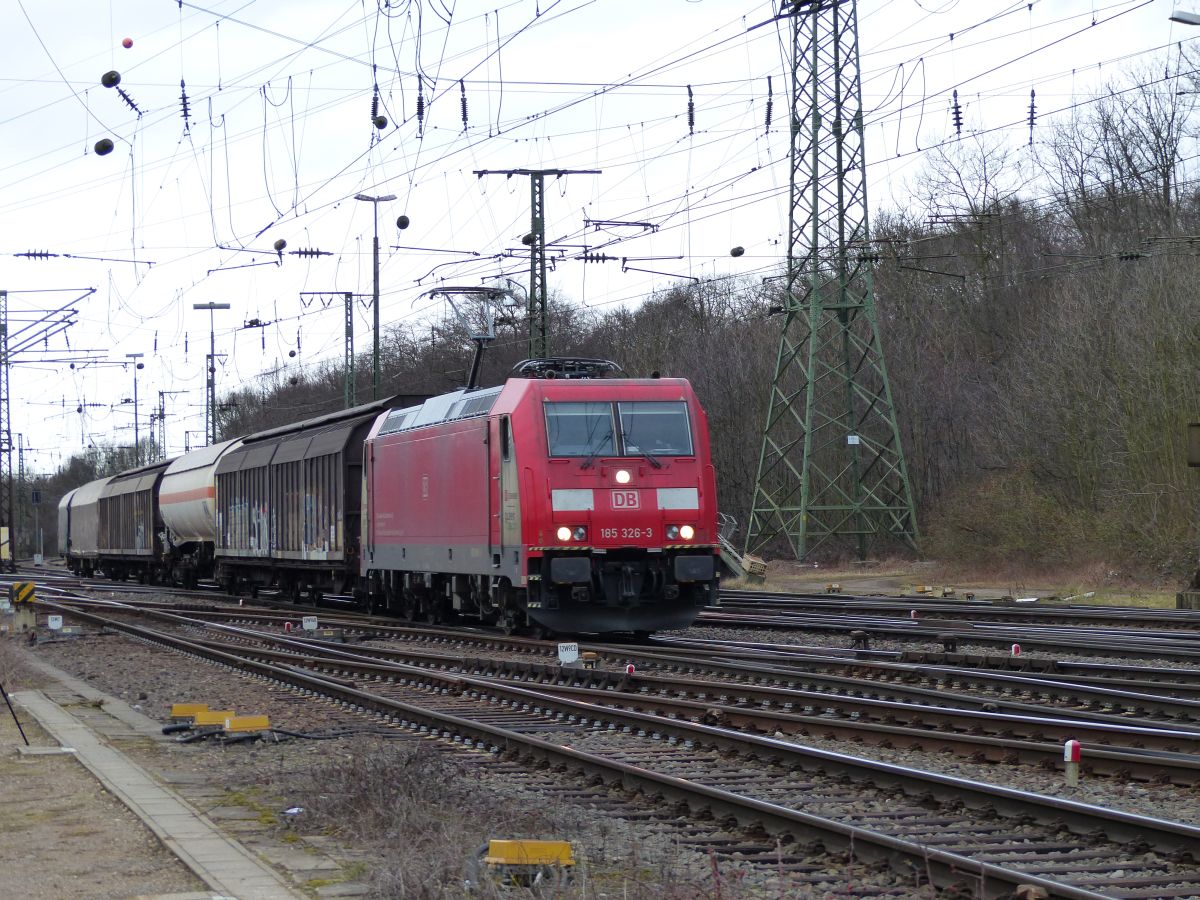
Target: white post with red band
{"points": [[1072, 750]]}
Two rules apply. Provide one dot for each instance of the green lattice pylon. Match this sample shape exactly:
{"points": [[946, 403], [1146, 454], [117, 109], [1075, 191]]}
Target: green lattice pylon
{"points": [[831, 469]]}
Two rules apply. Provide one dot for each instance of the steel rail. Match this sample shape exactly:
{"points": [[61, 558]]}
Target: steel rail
{"points": [[1118, 826], [777, 703], [1145, 763]]}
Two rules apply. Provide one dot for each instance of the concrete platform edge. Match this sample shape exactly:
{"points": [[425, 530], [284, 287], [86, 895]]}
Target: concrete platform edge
{"points": [[223, 864]]}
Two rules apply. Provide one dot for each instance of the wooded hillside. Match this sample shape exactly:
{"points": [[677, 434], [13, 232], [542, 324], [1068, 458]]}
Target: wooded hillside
{"points": [[1041, 325]]}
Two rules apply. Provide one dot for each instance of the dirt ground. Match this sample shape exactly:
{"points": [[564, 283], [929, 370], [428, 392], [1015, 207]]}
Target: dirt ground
{"points": [[1089, 585], [61, 834]]}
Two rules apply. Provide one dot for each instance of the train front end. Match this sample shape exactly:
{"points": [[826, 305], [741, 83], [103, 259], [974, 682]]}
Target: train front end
{"points": [[621, 521]]}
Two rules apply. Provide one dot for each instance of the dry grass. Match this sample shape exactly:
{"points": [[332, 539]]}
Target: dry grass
{"points": [[14, 675], [1092, 583], [423, 814]]}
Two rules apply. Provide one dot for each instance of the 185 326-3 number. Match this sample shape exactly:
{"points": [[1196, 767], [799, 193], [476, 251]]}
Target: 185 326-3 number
{"points": [[613, 534]]}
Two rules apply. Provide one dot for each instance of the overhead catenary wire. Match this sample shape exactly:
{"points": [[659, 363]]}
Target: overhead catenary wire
{"points": [[733, 144]]}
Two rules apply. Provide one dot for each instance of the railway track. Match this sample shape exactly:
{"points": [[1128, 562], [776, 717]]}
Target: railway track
{"points": [[1035, 612], [1104, 632], [1124, 750], [993, 839], [925, 706]]}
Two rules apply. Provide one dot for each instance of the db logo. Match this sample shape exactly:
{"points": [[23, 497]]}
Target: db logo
{"points": [[625, 500]]}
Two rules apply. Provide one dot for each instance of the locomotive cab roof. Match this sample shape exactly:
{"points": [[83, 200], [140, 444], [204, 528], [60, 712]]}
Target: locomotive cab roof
{"points": [[565, 367]]}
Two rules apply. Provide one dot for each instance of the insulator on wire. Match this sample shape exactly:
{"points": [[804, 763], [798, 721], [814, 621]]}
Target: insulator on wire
{"points": [[691, 112], [956, 115], [770, 105], [129, 101], [420, 109], [183, 99], [1032, 112], [463, 88], [375, 103]]}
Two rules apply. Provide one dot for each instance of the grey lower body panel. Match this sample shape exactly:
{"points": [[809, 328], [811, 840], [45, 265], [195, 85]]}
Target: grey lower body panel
{"points": [[465, 559], [597, 619]]}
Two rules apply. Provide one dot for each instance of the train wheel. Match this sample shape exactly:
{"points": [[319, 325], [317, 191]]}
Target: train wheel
{"points": [[508, 623]]}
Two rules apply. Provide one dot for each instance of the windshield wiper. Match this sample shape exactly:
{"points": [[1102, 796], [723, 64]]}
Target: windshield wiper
{"points": [[591, 458], [650, 457]]}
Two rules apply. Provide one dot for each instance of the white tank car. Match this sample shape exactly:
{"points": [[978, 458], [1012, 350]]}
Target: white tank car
{"points": [[186, 495]]}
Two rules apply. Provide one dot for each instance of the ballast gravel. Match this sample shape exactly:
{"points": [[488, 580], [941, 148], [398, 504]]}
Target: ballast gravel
{"points": [[636, 855], [630, 856]]}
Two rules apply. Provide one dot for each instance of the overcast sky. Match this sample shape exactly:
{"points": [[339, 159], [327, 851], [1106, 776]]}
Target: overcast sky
{"points": [[278, 140]]}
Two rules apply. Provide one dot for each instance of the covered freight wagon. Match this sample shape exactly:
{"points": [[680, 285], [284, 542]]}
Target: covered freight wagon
{"points": [[80, 520], [64, 523], [288, 504], [130, 528]]}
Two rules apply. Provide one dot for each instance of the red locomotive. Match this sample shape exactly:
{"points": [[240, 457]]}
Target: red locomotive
{"points": [[560, 501], [571, 504]]}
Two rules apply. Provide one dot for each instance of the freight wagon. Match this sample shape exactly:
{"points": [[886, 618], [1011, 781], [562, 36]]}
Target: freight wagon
{"points": [[560, 501]]}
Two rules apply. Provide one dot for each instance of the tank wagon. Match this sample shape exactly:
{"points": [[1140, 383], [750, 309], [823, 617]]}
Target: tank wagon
{"points": [[560, 500], [187, 501]]}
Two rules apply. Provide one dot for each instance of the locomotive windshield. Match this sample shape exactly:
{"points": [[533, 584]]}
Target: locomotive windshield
{"points": [[655, 426], [651, 426], [580, 429]]}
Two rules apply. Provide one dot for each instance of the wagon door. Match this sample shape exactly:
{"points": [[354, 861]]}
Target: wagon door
{"points": [[505, 504], [368, 512]]}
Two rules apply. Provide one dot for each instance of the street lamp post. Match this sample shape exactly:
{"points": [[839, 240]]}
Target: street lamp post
{"points": [[375, 201], [137, 442], [210, 408]]}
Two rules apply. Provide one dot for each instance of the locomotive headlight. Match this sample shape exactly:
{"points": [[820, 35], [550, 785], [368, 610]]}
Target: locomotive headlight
{"points": [[687, 532], [622, 476], [564, 533], [580, 533], [672, 532]]}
